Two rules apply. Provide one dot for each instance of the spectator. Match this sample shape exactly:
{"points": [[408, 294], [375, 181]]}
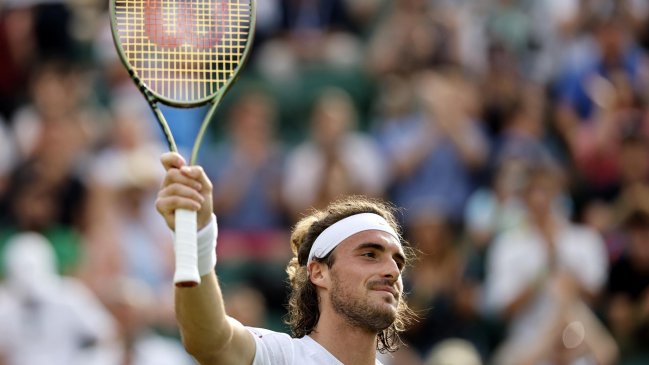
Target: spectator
{"points": [[539, 277], [431, 155], [613, 50], [35, 203], [336, 161], [523, 135], [46, 318], [30, 31], [410, 39], [493, 210], [509, 24], [490, 211]]}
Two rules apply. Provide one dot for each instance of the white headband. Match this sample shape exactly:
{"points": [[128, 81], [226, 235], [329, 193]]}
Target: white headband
{"points": [[331, 237]]}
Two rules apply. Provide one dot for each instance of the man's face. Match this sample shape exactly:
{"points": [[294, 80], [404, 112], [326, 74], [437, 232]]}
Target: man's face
{"points": [[366, 283]]}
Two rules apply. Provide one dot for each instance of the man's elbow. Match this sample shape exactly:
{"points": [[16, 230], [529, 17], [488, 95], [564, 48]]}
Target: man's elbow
{"points": [[207, 350]]}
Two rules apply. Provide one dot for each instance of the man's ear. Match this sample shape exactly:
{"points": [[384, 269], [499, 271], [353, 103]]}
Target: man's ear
{"points": [[319, 274]]}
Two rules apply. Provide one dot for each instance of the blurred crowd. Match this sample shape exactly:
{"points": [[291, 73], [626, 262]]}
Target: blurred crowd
{"points": [[513, 136]]}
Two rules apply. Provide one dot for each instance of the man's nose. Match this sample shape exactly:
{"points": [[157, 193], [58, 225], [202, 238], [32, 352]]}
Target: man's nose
{"points": [[392, 269]]}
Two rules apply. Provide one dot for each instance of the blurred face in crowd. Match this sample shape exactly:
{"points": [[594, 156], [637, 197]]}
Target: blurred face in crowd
{"points": [[62, 140], [55, 92], [128, 130], [542, 190], [509, 179], [611, 35], [333, 117], [395, 97], [35, 207], [431, 233], [252, 119]]}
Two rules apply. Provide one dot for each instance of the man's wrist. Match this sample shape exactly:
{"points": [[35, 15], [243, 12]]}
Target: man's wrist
{"points": [[206, 246]]}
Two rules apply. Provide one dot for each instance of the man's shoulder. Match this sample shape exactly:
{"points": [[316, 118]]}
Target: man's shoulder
{"points": [[270, 337], [279, 348], [263, 333], [272, 347]]}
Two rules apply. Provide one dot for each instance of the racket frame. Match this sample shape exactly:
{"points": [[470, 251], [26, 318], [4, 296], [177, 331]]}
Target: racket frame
{"points": [[186, 274]]}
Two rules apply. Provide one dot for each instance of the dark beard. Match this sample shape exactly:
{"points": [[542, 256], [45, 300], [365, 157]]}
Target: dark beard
{"points": [[360, 313]]}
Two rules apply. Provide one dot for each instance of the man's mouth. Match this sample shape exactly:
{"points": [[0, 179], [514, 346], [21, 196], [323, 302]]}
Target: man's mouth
{"points": [[388, 289]]}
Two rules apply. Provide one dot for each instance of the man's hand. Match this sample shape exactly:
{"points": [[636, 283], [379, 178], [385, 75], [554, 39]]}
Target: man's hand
{"points": [[184, 187]]}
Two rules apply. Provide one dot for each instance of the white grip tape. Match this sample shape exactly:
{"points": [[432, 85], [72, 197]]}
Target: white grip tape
{"points": [[186, 273]]}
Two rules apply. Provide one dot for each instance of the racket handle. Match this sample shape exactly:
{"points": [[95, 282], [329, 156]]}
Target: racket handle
{"points": [[186, 274]]}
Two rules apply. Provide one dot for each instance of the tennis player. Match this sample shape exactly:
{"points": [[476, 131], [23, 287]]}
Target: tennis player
{"points": [[346, 302]]}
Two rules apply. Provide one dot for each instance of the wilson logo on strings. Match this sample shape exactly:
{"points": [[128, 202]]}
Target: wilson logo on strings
{"points": [[179, 23]]}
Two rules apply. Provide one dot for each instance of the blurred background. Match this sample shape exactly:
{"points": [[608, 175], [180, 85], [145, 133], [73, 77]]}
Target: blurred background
{"points": [[511, 134]]}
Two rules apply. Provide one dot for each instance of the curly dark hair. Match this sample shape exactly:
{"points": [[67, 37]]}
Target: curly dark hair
{"points": [[303, 305]]}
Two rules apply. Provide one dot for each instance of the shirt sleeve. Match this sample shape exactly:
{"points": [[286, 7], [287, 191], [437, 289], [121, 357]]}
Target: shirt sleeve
{"points": [[272, 348]]}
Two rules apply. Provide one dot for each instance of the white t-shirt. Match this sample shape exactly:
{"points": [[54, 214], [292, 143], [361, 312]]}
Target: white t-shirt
{"points": [[275, 348]]}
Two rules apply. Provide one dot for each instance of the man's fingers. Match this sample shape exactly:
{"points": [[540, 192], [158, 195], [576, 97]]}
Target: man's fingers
{"points": [[174, 176], [197, 173], [177, 196], [184, 187], [172, 160], [168, 205], [182, 191]]}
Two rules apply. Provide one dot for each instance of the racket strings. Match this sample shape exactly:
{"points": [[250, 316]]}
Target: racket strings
{"points": [[183, 50]]}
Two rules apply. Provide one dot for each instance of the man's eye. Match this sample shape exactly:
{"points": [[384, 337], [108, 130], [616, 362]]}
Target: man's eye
{"points": [[369, 254]]}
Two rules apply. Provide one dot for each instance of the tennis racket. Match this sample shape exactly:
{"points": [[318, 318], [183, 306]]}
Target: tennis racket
{"points": [[185, 54]]}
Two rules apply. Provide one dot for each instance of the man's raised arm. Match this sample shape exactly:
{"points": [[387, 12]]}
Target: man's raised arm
{"points": [[208, 334]]}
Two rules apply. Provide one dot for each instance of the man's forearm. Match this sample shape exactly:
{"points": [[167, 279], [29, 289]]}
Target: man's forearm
{"points": [[202, 319]]}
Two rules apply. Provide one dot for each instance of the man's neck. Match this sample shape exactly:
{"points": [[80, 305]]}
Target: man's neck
{"points": [[349, 344]]}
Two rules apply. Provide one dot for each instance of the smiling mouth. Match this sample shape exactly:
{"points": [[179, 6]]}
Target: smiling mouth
{"points": [[387, 290]]}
